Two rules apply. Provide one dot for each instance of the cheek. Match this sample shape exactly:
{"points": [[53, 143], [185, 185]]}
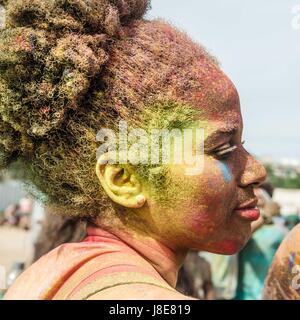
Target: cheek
{"points": [[214, 202], [203, 202], [215, 188]]}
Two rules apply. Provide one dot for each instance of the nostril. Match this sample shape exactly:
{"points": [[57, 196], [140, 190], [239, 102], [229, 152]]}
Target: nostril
{"points": [[254, 173], [257, 184]]}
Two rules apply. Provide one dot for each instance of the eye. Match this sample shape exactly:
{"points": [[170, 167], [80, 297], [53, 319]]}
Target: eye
{"points": [[225, 150]]}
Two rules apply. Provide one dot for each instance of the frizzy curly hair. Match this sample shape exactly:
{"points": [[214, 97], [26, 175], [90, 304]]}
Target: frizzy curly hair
{"points": [[68, 67]]}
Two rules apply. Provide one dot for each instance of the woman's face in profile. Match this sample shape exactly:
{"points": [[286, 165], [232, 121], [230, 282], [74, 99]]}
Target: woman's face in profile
{"points": [[213, 210]]}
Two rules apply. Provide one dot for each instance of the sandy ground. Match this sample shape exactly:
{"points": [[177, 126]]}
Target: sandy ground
{"points": [[15, 245]]}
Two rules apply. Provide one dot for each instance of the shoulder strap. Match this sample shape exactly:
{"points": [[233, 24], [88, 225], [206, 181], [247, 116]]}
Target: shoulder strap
{"points": [[94, 277], [114, 280]]}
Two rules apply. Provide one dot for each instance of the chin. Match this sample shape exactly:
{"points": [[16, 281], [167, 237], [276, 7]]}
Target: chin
{"points": [[228, 247], [234, 246], [235, 242], [231, 242]]}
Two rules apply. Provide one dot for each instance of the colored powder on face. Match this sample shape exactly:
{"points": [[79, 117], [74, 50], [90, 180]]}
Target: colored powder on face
{"points": [[225, 171], [291, 261], [297, 258], [294, 260]]}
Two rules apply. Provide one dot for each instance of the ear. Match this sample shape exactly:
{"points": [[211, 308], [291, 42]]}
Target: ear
{"points": [[120, 183]]}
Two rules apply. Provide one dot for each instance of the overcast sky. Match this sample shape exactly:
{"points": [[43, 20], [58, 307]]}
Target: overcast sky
{"points": [[260, 51]]}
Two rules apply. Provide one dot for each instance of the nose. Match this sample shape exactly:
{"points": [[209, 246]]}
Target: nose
{"points": [[254, 173]]}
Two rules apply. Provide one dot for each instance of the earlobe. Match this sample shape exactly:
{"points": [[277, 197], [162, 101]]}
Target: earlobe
{"points": [[121, 185], [140, 199]]}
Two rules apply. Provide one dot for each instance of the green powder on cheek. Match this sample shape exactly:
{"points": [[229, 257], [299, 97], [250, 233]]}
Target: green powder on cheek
{"points": [[166, 115]]}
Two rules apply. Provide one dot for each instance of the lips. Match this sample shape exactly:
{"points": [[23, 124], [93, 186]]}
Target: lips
{"points": [[248, 210]]}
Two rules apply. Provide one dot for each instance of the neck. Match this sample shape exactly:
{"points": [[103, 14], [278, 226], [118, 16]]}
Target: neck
{"points": [[164, 259]]}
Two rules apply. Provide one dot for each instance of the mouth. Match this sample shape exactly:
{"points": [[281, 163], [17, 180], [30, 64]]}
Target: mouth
{"points": [[248, 210]]}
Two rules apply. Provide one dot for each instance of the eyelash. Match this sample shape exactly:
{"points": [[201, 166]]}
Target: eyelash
{"points": [[224, 152]]}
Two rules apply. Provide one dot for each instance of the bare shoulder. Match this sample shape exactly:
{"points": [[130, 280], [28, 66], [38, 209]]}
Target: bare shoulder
{"points": [[138, 292]]}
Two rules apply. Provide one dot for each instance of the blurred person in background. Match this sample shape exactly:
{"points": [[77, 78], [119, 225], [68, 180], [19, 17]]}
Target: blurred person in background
{"points": [[18, 214], [292, 219], [56, 230], [224, 270], [24, 213], [256, 258], [10, 216], [48, 231], [19, 253], [37, 219], [194, 278]]}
